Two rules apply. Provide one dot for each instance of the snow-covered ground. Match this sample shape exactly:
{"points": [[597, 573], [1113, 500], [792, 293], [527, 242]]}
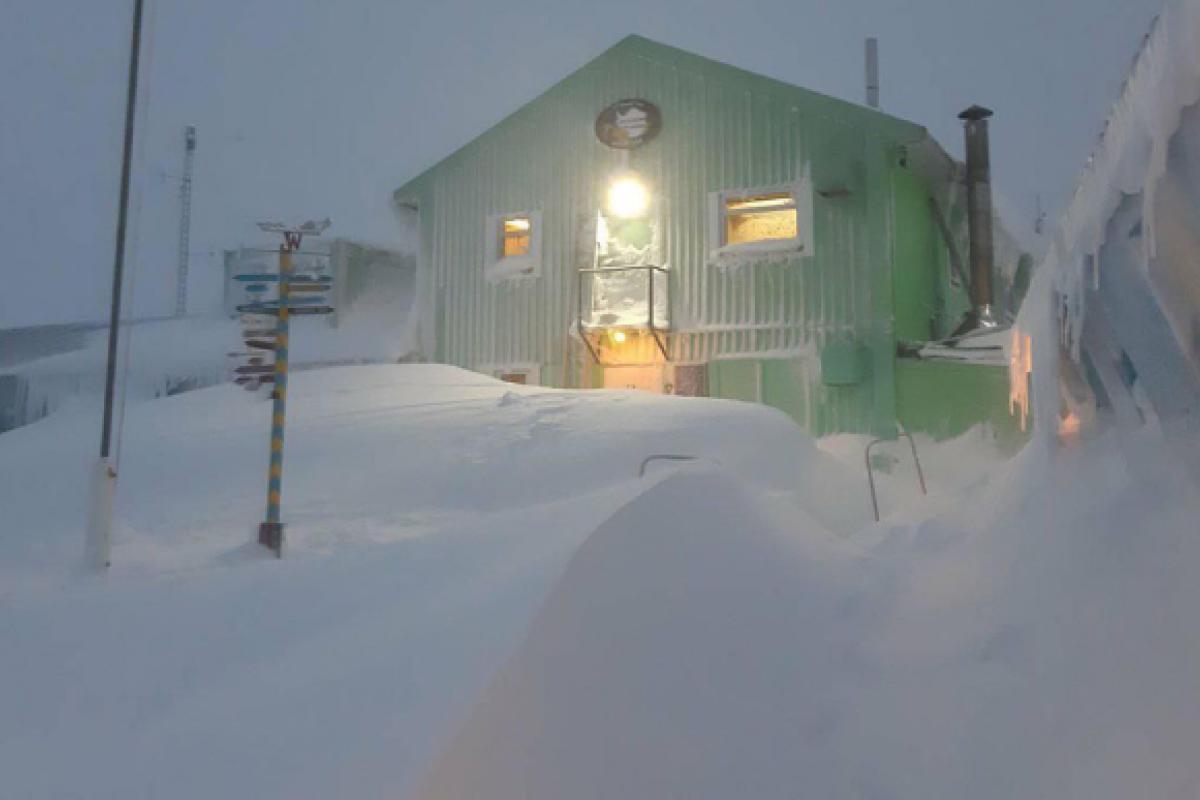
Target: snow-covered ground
{"points": [[159, 357], [429, 510], [1036, 640], [480, 596]]}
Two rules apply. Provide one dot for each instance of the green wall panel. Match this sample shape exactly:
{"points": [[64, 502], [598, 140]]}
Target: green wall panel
{"points": [[946, 399], [916, 265], [723, 128], [734, 379]]}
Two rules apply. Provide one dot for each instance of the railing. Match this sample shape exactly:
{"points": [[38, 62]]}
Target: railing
{"points": [[652, 275], [871, 475]]}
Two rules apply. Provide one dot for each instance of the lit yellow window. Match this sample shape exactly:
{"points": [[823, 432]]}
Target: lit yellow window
{"points": [[515, 233], [760, 218]]}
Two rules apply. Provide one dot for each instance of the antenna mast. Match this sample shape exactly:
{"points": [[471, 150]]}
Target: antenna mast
{"points": [[185, 220]]}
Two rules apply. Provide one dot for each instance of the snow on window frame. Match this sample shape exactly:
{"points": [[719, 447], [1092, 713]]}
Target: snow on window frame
{"points": [[722, 253], [496, 266]]}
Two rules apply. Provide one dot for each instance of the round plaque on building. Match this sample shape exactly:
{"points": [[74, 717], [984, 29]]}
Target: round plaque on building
{"points": [[628, 124]]}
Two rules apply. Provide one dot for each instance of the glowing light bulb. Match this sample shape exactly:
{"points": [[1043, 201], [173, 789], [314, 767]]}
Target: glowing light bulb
{"points": [[628, 197], [618, 337]]}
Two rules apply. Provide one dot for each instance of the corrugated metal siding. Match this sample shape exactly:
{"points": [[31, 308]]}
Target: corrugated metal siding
{"points": [[723, 129]]}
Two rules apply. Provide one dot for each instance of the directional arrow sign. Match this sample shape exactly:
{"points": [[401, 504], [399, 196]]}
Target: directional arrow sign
{"points": [[255, 369], [256, 308], [295, 301], [272, 309], [251, 358], [267, 277]]}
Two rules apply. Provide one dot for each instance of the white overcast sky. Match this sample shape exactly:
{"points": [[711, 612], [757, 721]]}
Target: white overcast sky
{"points": [[313, 108]]}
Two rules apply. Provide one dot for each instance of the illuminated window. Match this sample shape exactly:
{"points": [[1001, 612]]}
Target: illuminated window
{"points": [[513, 245], [760, 218], [516, 236]]}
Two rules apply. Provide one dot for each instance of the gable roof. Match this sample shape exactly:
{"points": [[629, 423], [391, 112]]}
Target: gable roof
{"points": [[639, 46]]}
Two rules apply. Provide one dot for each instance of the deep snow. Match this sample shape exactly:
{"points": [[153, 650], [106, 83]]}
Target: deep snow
{"points": [[479, 595], [1036, 640], [429, 510]]}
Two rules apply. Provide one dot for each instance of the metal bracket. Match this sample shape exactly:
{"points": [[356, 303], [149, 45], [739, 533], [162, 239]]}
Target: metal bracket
{"points": [[662, 457], [956, 262], [871, 472], [586, 342], [658, 334]]}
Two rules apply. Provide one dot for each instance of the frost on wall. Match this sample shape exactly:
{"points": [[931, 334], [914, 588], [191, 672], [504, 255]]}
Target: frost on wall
{"points": [[1118, 295]]}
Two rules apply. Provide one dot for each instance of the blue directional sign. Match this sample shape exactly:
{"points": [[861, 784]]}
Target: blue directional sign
{"points": [[273, 309], [257, 308], [267, 277]]}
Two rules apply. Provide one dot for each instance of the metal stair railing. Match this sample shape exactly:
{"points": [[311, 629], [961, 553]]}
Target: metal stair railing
{"points": [[871, 472]]}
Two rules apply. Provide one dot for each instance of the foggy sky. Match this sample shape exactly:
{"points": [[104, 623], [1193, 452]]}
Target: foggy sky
{"points": [[312, 108]]}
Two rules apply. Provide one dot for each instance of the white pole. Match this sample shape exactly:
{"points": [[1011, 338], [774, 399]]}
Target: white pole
{"points": [[103, 491]]}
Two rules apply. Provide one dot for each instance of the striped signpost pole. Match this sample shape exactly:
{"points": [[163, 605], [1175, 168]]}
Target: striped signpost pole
{"points": [[270, 532]]}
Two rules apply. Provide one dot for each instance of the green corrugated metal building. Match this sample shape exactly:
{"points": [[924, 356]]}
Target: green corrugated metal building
{"points": [[787, 246]]}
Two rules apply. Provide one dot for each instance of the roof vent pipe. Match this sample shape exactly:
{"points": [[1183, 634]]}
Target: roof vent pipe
{"points": [[979, 218], [873, 72]]}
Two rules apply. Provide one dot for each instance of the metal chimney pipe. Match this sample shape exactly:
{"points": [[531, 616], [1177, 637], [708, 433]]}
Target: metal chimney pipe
{"points": [[873, 72], [979, 214]]}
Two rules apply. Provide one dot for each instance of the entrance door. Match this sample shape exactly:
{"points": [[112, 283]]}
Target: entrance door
{"points": [[646, 379]]}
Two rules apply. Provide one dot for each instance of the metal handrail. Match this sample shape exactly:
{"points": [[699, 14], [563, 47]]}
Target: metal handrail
{"points": [[625, 268], [663, 457], [871, 472], [650, 326]]}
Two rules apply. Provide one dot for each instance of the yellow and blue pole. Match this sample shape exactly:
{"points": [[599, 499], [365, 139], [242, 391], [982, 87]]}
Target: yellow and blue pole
{"points": [[270, 533]]}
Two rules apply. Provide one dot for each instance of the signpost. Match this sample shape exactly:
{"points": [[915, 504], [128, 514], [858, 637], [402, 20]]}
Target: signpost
{"points": [[295, 306], [270, 532], [269, 277]]}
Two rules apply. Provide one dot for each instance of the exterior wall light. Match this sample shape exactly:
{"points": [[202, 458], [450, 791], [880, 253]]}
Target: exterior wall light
{"points": [[628, 197]]}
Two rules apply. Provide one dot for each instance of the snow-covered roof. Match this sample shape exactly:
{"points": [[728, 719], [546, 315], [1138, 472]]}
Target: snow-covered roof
{"points": [[1131, 156], [1128, 165]]}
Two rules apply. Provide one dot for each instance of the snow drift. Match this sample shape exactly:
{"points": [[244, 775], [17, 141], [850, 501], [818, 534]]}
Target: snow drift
{"points": [[1036, 641], [686, 652], [429, 511]]}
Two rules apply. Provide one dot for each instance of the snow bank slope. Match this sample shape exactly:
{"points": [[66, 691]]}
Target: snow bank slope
{"points": [[429, 512], [686, 652], [373, 454], [1039, 640]]}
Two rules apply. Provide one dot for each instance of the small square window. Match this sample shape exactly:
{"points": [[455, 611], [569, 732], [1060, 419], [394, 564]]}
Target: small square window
{"points": [[516, 236], [513, 245], [524, 374], [760, 218]]}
